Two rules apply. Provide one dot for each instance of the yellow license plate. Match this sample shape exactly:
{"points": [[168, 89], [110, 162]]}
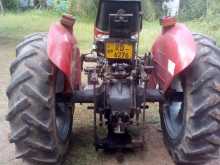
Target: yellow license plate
{"points": [[123, 51]]}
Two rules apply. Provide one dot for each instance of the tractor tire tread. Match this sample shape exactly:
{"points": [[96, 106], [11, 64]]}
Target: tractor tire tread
{"points": [[17, 80], [32, 121], [31, 106], [201, 140], [19, 134], [30, 39], [18, 108]]}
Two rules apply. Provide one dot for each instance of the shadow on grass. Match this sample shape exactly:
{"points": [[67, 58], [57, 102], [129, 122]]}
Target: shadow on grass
{"points": [[81, 150]]}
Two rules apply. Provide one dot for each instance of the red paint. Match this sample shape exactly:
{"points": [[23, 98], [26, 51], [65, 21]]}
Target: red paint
{"points": [[174, 49], [61, 47], [168, 21], [98, 32]]}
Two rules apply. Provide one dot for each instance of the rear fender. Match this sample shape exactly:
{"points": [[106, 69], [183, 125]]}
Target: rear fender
{"points": [[64, 53], [173, 51]]}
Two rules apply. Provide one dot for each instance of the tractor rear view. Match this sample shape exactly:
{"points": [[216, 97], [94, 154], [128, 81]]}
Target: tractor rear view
{"points": [[180, 73]]}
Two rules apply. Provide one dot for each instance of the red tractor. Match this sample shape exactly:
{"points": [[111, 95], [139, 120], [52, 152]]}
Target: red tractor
{"points": [[181, 73]]}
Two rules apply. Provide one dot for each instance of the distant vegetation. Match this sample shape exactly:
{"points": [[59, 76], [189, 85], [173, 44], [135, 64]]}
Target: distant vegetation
{"points": [[15, 26], [200, 15], [189, 9]]}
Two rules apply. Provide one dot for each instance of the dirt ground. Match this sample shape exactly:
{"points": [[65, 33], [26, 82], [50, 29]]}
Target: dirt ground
{"points": [[81, 149]]}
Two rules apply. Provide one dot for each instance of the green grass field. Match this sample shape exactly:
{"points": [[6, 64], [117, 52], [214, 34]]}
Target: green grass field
{"points": [[14, 26]]}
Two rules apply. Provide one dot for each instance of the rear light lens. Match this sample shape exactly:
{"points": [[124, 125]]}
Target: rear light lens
{"points": [[100, 34]]}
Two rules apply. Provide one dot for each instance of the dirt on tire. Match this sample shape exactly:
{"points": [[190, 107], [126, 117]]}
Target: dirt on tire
{"points": [[32, 109], [199, 141], [83, 142], [154, 153]]}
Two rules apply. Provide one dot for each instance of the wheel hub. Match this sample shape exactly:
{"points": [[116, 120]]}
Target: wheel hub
{"points": [[174, 110], [63, 121]]}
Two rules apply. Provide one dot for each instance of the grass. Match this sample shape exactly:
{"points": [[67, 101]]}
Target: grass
{"points": [[14, 26], [209, 26]]}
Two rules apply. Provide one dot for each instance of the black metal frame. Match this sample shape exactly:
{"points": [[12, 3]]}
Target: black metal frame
{"points": [[111, 142], [87, 96], [127, 1]]}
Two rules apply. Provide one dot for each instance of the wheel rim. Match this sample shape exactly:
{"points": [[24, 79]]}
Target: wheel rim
{"points": [[63, 121], [174, 110]]}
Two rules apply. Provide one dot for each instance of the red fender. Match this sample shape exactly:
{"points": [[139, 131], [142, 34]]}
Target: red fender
{"points": [[64, 53], [173, 51]]}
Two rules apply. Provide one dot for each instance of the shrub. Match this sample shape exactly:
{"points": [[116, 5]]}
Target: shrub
{"points": [[10, 4], [149, 10], [213, 7], [60, 5], [192, 9]]}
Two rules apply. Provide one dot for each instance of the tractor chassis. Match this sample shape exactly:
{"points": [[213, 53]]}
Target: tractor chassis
{"points": [[95, 96]]}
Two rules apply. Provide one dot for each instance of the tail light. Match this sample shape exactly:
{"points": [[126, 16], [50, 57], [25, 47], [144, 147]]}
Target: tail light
{"points": [[99, 33]]}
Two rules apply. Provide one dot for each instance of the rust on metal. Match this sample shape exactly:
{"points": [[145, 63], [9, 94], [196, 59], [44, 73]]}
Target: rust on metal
{"points": [[68, 21], [168, 21]]}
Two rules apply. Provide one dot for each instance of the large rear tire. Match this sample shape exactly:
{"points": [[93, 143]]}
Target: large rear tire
{"points": [[40, 127], [191, 125]]}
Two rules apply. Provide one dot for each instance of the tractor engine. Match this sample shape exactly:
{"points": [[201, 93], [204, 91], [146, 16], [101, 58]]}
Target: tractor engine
{"points": [[116, 88], [117, 82], [118, 78], [120, 98]]}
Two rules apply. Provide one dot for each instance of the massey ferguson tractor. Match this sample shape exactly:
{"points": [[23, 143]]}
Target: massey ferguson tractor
{"points": [[181, 73]]}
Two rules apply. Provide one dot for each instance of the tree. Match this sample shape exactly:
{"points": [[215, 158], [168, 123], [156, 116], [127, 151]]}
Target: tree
{"points": [[212, 7], [43, 3], [191, 9], [40, 4], [9, 4], [70, 7], [1, 7], [149, 9]]}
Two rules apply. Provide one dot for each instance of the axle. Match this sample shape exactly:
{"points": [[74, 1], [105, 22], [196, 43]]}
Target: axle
{"points": [[87, 96]]}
